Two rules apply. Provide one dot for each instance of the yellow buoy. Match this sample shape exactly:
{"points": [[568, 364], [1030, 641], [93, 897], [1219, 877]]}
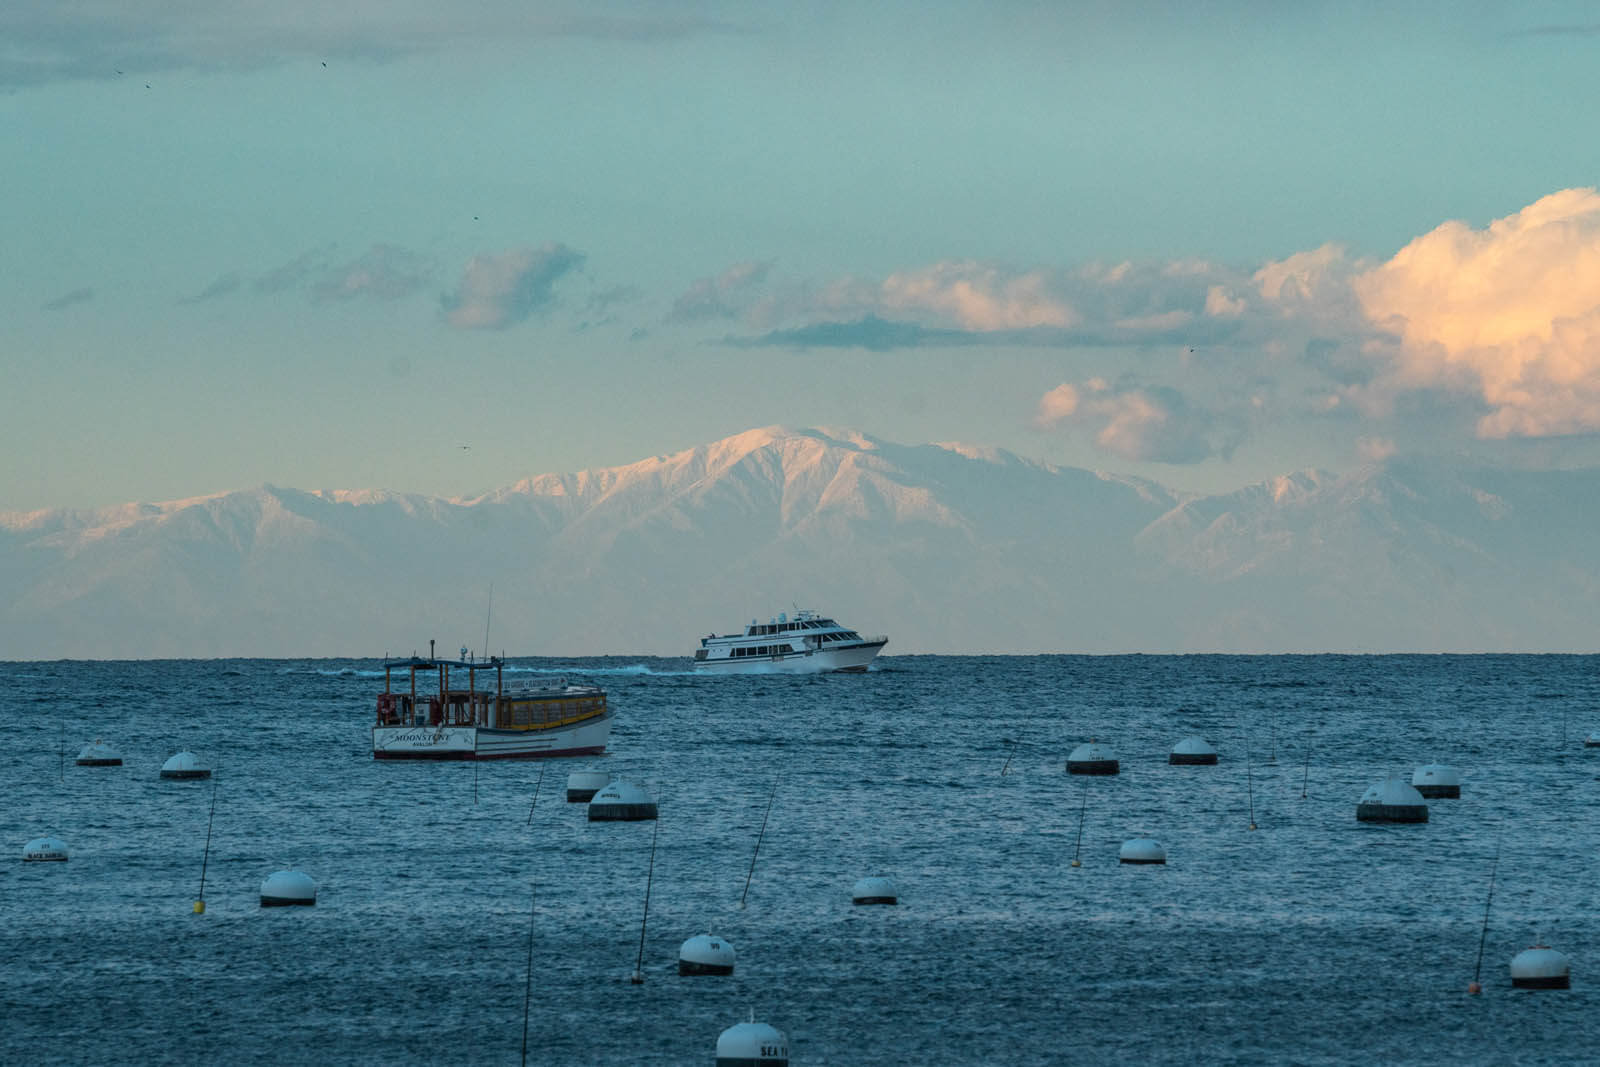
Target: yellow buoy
{"points": [[199, 907]]}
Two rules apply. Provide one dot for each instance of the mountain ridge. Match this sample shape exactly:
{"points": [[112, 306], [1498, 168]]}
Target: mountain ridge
{"points": [[947, 547]]}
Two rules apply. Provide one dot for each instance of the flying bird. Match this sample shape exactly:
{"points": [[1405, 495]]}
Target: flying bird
{"points": [[465, 448]]}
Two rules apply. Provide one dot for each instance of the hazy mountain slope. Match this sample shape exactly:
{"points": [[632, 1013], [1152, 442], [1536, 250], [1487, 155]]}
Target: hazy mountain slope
{"points": [[945, 547]]}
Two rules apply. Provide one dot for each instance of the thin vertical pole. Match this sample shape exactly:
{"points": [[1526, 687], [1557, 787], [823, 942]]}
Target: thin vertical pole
{"points": [[205, 856], [1249, 783], [1306, 781], [638, 967], [1083, 811], [527, 989], [1013, 752], [759, 836], [536, 786], [1483, 934]]}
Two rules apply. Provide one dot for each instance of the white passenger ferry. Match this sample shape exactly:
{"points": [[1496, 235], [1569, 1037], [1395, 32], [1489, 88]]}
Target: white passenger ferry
{"points": [[805, 644]]}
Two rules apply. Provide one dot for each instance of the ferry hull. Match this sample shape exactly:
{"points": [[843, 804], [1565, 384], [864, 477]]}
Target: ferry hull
{"points": [[856, 658], [482, 743]]}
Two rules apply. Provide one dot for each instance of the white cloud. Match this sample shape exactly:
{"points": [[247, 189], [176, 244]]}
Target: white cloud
{"points": [[1511, 311], [724, 297], [1144, 423], [975, 296], [1056, 405], [498, 290]]}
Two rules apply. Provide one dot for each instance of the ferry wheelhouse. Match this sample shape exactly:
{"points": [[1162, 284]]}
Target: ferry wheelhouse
{"points": [[805, 644], [497, 721]]}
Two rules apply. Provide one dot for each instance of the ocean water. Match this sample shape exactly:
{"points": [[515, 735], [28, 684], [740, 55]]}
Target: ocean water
{"points": [[1312, 939]]}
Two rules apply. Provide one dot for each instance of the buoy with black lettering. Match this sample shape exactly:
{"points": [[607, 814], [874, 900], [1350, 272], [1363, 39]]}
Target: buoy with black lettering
{"points": [[45, 850], [1391, 800], [99, 754], [184, 765], [875, 889], [752, 1044], [1092, 757], [284, 889], [1435, 780], [621, 802], [1142, 851], [1541, 967], [704, 954], [1193, 751]]}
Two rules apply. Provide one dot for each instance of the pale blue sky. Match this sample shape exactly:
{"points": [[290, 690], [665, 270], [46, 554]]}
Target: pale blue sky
{"points": [[261, 268]]}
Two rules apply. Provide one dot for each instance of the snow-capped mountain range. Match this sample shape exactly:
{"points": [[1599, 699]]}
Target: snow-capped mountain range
{"points": [[947, 548]]}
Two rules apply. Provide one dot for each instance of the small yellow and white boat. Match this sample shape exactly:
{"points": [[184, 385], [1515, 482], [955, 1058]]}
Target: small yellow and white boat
{"points": [[445, 721]]}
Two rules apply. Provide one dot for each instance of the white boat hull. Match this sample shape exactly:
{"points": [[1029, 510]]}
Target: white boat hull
{"points": [[817, 661], [586, 738]]}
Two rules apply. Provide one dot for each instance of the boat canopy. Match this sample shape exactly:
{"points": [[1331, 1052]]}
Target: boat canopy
{"points": [[420, 664]]}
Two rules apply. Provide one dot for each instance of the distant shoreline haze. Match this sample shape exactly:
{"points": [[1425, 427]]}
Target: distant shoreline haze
{"points": [[947, 549]]}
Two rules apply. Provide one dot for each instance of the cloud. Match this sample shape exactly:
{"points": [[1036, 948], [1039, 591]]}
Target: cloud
{"points": [[1149, 423], [66, 300], [497, 291], [972, 303], [722, 297], [1375, 449], [228, 283], [383, 272], [295, 272], [869, 332], [98, 38], [1509, 313]]}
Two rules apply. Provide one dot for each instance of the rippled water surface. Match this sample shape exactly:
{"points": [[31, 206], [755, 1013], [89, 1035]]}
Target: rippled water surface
{"points": [[1313, 939]]}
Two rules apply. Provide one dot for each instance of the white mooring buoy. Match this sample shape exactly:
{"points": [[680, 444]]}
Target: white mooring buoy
{"points": [[1092, 758], [99, 754], [45, 850], [1142, 850], [1541, 967], [583, 785], [1435, 781], [1592, 741], [752, 1044], [704, 954], [288, 889], [184, 765], [875, 889], [621, 802], [1391, 800], [1193, 751]]}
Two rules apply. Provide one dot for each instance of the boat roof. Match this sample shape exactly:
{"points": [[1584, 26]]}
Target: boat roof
{"points": [[422, 664]]}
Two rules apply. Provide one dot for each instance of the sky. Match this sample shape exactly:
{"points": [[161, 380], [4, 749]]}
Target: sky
{"points": [[335, 245]]}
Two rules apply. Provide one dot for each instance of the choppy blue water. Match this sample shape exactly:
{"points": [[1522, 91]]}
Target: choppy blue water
{"points": [[1313, 939]]}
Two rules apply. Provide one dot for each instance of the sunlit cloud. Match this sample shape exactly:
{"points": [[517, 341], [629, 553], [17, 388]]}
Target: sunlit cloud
{"points": [[721, 297], [383, 272], [500, 290], [1149, 423], [1510, 312]]}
